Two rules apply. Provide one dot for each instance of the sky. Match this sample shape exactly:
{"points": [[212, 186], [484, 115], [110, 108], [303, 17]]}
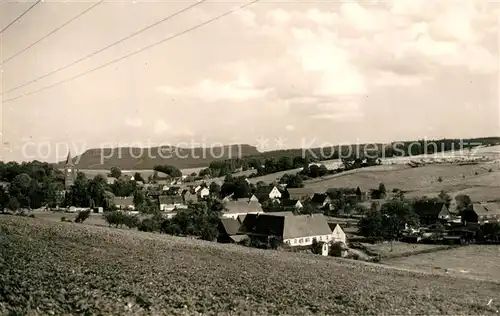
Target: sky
{"points": [[277, 74]]}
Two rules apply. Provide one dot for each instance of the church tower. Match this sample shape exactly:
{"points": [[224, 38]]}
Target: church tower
{"points": [[69, 172]]}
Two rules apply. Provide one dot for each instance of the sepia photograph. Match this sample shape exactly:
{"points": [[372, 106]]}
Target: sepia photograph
{"points": [[249, 157]]}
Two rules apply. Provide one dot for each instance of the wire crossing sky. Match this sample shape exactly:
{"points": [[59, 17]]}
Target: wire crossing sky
{"points": [[19, 17], [53, 31]]}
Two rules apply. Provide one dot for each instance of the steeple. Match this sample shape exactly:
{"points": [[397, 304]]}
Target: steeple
{"points": [[69, 160], [69, 172]]}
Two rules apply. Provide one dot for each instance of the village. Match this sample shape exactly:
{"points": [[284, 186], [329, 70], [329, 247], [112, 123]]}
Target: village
{"points": [[249, 157], [326, 221]]}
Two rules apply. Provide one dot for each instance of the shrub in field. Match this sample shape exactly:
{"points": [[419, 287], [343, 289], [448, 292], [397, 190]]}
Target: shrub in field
{"points": [[131, 221], [114, 218], [316, 247], [275, 242], [63, 219], [440, 179], [149, 225], [82, 216]]}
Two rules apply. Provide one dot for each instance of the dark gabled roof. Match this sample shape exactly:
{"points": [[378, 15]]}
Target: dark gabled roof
{"points": [[234, 207], [289, 203], [264, 189], [429, 208], [123, 201], [286, 226], [263, 224], [319, 198], [230, 226], [170, 199]]}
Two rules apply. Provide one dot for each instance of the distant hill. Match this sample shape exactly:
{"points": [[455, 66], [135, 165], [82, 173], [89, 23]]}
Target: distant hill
{"points": [[131, 158], [136, 158]]}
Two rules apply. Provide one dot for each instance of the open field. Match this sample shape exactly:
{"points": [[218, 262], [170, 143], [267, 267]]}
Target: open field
{"points": [[422, 180], [481, 261], [61, 268], [94, 219], [399, 248]]}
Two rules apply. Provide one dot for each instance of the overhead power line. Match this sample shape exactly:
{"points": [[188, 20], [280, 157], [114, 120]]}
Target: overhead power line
{"points": [[52, 32], [19, 17], [107, 47], [136, 52]]}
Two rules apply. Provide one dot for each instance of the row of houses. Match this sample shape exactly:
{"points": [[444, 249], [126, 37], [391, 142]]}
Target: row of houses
{"points": [[167, 203], [478, 213], [294, 198]]}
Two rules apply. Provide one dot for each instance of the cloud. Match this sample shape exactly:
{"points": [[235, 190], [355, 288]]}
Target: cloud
{"points": [[161, 127], [342, 110], [339, 62], [391, 79], [210, 90], [289, 127], [134, 122]]}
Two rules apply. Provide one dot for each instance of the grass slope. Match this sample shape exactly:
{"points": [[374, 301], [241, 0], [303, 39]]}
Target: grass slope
{"points": [[63, 268], [480, 261]]}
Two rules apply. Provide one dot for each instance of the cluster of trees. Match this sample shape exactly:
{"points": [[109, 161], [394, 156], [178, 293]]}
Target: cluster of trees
{"points": [[170, 170], [198, 220], [261, 165], [292, 180], [32, 185], [314, 171], [380, 193], [37, 184], [389, 222]]}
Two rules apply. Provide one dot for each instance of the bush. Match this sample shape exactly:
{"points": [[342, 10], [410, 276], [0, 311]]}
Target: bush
{"points": [[63, 219], [114, 218], [131, 221], [149, 225], [316, 247], [440, 179], [82, 216]]}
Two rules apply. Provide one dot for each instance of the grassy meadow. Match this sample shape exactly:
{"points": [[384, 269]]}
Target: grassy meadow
{"points": [[479, 261], [49, 267]]}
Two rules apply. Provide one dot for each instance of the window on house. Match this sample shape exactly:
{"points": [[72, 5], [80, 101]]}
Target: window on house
{"points": [[320, 237], [288, 241], [295, 241], [301, 240], [307, 239]]}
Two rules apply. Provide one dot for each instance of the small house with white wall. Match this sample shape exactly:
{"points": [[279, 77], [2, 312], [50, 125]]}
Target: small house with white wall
{"points": [[268, 193], [170, 203], [293, 230], [124, 203], [203, 193]]}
